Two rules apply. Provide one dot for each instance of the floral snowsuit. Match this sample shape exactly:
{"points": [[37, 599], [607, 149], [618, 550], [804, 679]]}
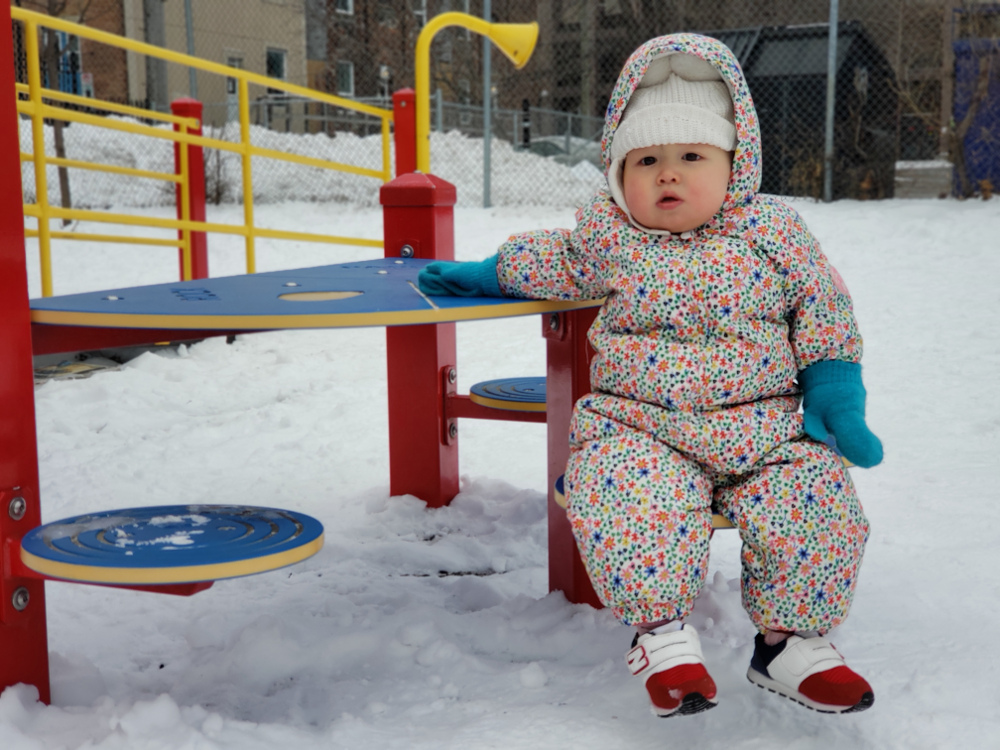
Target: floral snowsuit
{"points": [[695, 401]]}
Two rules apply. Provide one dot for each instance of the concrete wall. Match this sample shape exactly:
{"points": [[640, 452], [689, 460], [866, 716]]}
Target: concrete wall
{"points": [[223, 29]]}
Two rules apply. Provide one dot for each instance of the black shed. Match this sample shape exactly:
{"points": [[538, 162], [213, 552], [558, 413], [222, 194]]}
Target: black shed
{"points": [[785, 68]]}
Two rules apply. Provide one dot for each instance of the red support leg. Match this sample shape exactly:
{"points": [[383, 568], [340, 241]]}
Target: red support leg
{"points": [[196, 188], [24, 655], [418, 215], [568, 356]]}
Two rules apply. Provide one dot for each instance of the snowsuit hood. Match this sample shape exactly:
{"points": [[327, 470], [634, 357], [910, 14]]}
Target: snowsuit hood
{"points": [[744, 182], [724, 315]]}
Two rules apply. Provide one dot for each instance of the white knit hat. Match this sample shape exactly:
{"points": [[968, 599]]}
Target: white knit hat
{"points": [[681, 99], [677, 111]]}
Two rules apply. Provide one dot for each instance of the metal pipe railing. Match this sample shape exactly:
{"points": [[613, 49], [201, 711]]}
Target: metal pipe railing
{"points": [[37, 106]]}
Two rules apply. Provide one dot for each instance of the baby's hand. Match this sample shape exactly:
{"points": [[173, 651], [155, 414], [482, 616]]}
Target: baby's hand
{"points": [[834, 411], [472, 279]]}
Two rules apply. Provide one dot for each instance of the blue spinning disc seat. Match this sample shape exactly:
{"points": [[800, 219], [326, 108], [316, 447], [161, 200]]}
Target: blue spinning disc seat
{"points": [[171, 544]]}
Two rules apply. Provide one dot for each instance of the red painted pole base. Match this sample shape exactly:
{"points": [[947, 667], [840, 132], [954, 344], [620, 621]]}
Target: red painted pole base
{"points": [[24, 655], [418, 216], [567, 379]]}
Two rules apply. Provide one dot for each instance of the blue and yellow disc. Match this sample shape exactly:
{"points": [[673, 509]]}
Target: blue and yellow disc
{"points": [[171, 544], [516, 394]]}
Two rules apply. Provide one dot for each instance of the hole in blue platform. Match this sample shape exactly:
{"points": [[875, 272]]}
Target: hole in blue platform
{"points": [[317, 296]]}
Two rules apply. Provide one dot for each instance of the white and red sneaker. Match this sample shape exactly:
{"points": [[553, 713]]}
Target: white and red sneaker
{"points": [[673, 669], [810, 671]]}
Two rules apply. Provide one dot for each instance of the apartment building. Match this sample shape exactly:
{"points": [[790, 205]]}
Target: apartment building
{"points": [[265, 36]]}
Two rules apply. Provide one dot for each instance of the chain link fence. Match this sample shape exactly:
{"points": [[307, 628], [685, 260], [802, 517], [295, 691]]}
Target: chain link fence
{"points": [[917, 86], [895, 88], [269, 39], [917, 102]]}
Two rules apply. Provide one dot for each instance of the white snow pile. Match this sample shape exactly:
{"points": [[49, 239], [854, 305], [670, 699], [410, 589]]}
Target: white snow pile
{"points": [[430, 629], [519, 177]]}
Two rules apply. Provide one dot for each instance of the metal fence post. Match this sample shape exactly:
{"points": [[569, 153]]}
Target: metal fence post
{"points": [[487, 104], [525, 124], [831, 102], [156, 69], [189, 28]]}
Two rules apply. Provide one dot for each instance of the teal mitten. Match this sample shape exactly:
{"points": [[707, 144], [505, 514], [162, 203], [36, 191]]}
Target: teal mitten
{"points": [[470, 279], [833, 403]]}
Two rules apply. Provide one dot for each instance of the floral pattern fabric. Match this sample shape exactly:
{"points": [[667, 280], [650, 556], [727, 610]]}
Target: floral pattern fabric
{"points": [[698, 345], [641, 501]]}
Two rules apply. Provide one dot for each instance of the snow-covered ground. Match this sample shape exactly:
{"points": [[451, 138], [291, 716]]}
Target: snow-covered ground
{"points": [[418, 628]]}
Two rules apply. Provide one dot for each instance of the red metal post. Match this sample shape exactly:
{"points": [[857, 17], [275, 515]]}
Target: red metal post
{"points": [[196, 190], [404, 116], [568, 356], [24, 655], [418, 216]]}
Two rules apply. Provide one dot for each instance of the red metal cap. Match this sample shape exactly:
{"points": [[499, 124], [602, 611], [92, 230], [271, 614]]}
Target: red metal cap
{"points": [[416, 189]]}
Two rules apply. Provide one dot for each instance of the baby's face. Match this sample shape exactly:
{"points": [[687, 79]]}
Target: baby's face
{"points": [[677, 186]]}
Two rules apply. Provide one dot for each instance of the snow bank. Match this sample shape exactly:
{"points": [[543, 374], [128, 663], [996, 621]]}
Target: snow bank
{"points": [[519, 178]]}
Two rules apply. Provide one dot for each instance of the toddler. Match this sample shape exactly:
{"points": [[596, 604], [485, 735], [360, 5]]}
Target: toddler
{"points": [[721, 313]]}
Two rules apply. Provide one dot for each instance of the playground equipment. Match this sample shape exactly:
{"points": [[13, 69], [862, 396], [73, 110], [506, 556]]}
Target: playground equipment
{"points": [[189, 144], [515, 40], [424, 406], [171, 544]]}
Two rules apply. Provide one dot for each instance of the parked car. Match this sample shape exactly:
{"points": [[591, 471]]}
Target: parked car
{"points": [[555, 148]]}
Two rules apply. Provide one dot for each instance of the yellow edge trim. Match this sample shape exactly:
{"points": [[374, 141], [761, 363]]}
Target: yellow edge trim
{"points": [[496, 403], [182, 574], [719, 521], [319, 320]]}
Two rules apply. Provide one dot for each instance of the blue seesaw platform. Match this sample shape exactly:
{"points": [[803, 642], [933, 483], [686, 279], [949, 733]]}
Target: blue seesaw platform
{"points": [[171, 544], [378, 292], [515, 394]]}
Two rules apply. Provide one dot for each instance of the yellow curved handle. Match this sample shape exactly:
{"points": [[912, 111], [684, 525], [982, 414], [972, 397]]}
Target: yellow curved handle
{"points": [[516, 40]]}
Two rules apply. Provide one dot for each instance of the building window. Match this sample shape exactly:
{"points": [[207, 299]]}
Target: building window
{"points": [[345, 6], [69, 68], [275, 63], [232, 84], [275, 66], [385, 13], [384, 81], [345, 78]]}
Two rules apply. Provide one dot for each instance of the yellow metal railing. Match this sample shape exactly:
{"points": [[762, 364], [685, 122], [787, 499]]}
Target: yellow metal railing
{"points": [[36, 107]]}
